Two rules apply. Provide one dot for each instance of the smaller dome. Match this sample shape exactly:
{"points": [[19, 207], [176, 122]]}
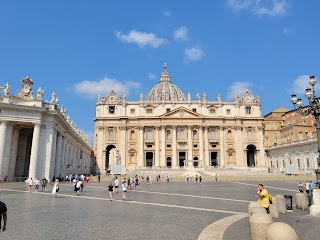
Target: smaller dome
{"points": [[165, 90]]}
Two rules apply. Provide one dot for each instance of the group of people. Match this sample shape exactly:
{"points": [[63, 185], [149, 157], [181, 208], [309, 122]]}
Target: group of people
{"points": [[308, 186], [82, 177], [35, 183], [126, 184]]}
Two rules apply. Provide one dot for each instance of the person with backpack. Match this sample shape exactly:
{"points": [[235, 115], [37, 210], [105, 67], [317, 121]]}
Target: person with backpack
{"points": [[263, 197]]}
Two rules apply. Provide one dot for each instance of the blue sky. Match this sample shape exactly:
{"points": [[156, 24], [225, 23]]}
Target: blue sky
{"points": [[82, 48]]}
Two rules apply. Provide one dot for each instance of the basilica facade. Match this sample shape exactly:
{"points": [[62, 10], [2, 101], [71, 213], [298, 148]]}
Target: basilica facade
{"points": [[38, 138], [169, 129]]}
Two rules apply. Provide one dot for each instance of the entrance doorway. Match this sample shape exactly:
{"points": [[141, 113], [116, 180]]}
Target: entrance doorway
{"points": [[149, 159], [213, 159], [169, 163], [195, 162], [251, 150], [107, 163], [182, 158]]}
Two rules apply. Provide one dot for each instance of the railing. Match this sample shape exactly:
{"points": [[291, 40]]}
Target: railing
{"points": [[289, 143]]}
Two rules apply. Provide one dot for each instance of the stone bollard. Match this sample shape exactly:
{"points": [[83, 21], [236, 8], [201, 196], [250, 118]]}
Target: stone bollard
{"points": [[281, 204], [251, 206], [274, 212], [257, 210], [301, 201], [259, 223], [281, 231]]}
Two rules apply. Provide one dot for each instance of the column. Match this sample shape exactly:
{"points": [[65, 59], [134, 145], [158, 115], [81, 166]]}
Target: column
{"points": [[4, 164], [63, 155], [53, 155], [58, 156], [201, 146], [49, 138], [163, 146], [190, 157], [157, 148], [13, 152], [141, 147], [34, 151], [174, 147], [261, 158], [123, 146], [206, 147], [239, 144], [3, 134], [99, 166], [222, 153], [21, 154]]}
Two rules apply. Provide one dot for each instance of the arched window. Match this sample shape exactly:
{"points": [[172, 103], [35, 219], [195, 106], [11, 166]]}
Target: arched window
{"points": [[250, 135], [111, 135], [149, 134], [168, 134], [229, 134], [194, 134], [181, 133], [132, 135], [212, 134]]}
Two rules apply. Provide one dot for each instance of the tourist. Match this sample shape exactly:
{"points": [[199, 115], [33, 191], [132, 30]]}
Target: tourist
{"points": [[307, 186], [116, 184], [78, 186], [300, 187], [196, 178], [147, 180], [124, 189], [137, 182], [263, 196], [87, 179], [30, 184], [129, 183], [200, 179], [167, 178], [3, 215], [216, 178], [55, 189], [82, 185], [70, 177], [36, 185], [311, 186], [67, 178], [110, 187], [75, 184], [190, 177], [187, 177], [170, 178], [44, 184]]}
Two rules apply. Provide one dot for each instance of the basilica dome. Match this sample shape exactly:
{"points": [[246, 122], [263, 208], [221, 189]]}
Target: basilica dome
{"points": [[165, 90]]}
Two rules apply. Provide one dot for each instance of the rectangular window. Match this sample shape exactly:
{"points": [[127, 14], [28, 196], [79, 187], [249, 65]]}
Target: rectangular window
{"points": [[132, 111], [228, 111], [248, 110], [194, 110], [213, 145], [213, 135], [149, 111], [168, 145], [212, 110], [168, 110], [112, 109], [149, 135], [149, 146], [195, 145], [181, 134]]}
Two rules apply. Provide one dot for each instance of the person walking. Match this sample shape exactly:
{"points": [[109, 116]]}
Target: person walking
{"points": [[216, 178], [3, 215], [263, 197], [124, 189], [78, 186], [44, 184], [307, 186], [110, 187], [116, 184], [55, 188], [300, 187], [200, 179], [36, 185], [30, 184], [196, 178]]}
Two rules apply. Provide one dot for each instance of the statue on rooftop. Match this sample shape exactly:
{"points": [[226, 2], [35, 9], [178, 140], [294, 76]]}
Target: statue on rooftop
{"points": [[6, 89], [40, 93]]}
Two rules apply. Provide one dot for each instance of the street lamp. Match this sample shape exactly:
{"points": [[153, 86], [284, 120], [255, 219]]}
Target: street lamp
{"points": [[313, 108]]}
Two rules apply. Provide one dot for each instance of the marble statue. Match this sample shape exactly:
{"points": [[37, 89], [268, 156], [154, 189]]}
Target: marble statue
{"points": [[188, 96], [57, 101], [6, 90], [198, 96], [204, 97], [118, 159], [236, 97], [26, 91], [141, 97], [53, 98], [99, 97], [219, 97], [124, 98], [40, 93]]}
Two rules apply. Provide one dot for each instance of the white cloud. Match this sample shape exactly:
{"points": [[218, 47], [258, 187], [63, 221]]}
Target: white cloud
{"points": [[152, 76], [90, 136], [238, 88], [300, 85], [92, 89], [142, 39], [193, 54], [181, 33], [167, 13], [260, 7]]}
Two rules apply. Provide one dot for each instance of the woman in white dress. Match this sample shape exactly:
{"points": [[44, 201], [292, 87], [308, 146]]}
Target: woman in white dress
{"points": [[55, 189]]}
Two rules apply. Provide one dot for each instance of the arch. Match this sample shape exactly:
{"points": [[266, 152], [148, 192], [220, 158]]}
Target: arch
{"points": [[169, 162], [251, 151], [107, 162], [229, 135]]}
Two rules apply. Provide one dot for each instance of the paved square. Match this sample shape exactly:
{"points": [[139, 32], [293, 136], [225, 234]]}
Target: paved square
{"points": [[157, 211]]}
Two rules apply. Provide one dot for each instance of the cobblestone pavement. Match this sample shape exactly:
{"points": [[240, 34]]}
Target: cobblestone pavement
{"points": [[157, 211]]}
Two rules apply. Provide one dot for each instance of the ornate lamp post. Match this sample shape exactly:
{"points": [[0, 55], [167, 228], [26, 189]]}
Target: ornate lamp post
{"points": [[313, 108]]}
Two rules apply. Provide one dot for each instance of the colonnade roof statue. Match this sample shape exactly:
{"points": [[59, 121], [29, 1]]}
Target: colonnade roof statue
{"points": [[25, 97]]}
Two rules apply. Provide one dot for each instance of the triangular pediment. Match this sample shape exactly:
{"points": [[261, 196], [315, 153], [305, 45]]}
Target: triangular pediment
{"points": [[181, 112]]}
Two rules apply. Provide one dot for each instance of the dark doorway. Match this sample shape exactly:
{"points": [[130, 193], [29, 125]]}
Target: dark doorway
{"points": [[108, 149], [169, 163], [213, 159], [251, 150], [182, 158], [149, 159], [195, 162]]}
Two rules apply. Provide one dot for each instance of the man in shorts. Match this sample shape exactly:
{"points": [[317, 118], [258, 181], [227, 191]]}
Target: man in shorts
{"points": [[116, 184], [3, 215]]}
